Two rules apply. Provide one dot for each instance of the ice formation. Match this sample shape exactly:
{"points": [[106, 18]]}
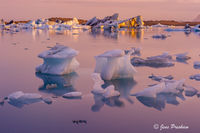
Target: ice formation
{"points": [[195, 77], [160, 25], [160, 78], [59, 60], [19, 98], [73, 95], [162, 36], [190, 91], [182, 57], [108, 92], [164, 60], [165, 87], [114, 64], [196, 65]]}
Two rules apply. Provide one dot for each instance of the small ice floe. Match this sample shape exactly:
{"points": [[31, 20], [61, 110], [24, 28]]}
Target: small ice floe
{"points": [[114, 64], [167, 86], [195, 77], [2, 101], [162, 36], [47, 100], [159, 25], [110, 92], [137, 51], [182, 57], [190, 91], [19, 99], [160, 78], [98, 90], [73, 95], [196, 65], [59, 60], [163, 60]]}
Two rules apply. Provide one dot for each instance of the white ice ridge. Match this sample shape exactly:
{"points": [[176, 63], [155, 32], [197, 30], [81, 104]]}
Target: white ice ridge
{"points": [[59, 60], [108, 92], [114, 64]]}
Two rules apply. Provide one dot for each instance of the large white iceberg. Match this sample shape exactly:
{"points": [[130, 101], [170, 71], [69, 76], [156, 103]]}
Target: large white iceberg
{"points": [[59, 60], [114, 64]]}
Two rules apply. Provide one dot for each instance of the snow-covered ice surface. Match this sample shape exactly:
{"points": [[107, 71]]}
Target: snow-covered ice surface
{"points": [[18, 55]]}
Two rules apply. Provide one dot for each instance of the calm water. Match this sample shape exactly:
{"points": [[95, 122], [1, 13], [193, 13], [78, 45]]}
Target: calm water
{"points": [[18, 56]]}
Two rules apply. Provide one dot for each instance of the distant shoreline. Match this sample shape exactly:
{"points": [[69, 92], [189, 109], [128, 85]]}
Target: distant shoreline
{"points": [[146, 22]]}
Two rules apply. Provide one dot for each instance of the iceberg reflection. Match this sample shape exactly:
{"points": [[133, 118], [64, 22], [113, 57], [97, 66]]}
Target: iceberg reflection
{"points": [[161, 100], [57, 85], [124, 86]]}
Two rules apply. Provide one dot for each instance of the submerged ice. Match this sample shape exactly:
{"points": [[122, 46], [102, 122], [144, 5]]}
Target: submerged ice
{"points": [[59, 60]]}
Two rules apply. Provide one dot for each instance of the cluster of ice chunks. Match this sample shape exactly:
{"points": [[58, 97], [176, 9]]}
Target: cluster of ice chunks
{"points": [[44, 24]]}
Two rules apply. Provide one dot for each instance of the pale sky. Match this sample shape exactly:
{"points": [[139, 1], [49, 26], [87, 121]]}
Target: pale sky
{"points": [[149, 9]]}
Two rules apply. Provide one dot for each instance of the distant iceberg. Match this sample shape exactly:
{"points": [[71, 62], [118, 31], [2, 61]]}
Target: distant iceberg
{"points": [[114, 64], [59, 60]]}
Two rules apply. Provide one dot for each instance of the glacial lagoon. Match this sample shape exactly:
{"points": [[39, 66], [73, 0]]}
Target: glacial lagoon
{"points": [[18, 55]]}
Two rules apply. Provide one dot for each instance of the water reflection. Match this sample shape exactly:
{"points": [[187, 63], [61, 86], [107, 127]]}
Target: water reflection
{"points": [[57, 85], [133, 33], [161, 100], [124, 86]]}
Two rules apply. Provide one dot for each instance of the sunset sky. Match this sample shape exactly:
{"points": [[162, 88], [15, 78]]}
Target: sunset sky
{"points": [[149, 9]]}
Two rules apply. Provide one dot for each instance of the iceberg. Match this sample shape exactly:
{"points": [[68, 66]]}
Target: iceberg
{"points": [[195, 77], [59, 60], [196, 65], [47, 100], [196, 28], [114, 64], [165, 87], [160, 78], [19, 99], [182, 57], [190, 91], [108, 92], [156, 62], [162, 36]]}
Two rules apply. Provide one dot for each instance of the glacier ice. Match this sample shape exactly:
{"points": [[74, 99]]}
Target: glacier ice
{"points": [[196, 65], [59, 60], [182, 57], [111, 92], [114, 64]]}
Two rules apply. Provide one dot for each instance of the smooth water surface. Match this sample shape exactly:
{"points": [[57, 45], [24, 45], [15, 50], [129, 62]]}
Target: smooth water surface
{"points": [[127, 114]]}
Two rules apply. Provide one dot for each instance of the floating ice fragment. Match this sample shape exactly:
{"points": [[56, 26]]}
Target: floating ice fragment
{"points": [[152, 62], [162, 36], [73, 95], [111, 92], [182, 57], [59, 60], [190, 91], [97, 89], [19, 98], [47, 100], [195, 77], [160, 78], [196, 65], [114, 64]]}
